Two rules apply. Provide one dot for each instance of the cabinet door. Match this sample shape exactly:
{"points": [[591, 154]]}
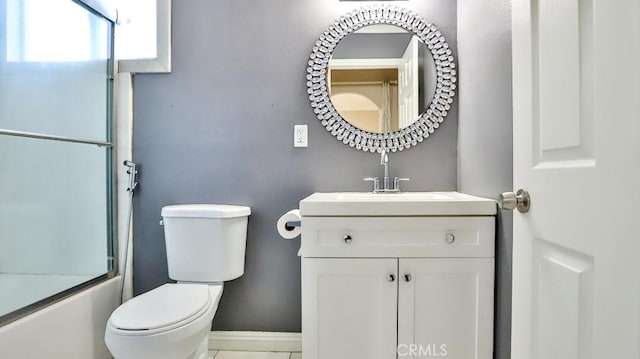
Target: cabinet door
{"points": [[349, 308], [445, 308]]}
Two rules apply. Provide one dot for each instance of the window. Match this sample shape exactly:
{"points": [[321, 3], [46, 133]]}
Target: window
{"points": [[52, 31], [137, 29], [144, 36]]}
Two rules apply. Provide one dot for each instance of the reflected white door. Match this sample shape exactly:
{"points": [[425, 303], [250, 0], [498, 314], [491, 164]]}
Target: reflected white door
{"points": [[408, 81], [576, 253]]}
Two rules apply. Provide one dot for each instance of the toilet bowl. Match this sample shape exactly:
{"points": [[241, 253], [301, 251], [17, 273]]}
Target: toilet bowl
{"points": [[170, 322], [205, 246]]}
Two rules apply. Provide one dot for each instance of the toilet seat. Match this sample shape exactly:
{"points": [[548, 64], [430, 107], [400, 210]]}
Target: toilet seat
{"points": [[162, 309], [150, 326]]}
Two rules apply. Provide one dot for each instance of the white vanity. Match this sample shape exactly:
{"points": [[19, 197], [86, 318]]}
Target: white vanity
{"points": [[404, 275]]}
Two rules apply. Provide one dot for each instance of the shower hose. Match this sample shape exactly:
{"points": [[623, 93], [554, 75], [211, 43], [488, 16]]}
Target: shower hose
{"points": [[132, 172]]}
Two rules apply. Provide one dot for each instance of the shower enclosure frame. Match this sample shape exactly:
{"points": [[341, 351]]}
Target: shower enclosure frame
{"points": [[100, 9]]}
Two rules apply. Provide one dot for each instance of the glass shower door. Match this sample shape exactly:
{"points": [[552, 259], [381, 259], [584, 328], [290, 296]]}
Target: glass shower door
{"points": [[56, 151]]}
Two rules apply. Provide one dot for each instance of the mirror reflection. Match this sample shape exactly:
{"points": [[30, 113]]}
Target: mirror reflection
{"points": [[381, 78]]}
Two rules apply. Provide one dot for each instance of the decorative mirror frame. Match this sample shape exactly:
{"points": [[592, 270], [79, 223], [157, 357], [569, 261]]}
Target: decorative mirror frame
{"points": [[427, 121]]}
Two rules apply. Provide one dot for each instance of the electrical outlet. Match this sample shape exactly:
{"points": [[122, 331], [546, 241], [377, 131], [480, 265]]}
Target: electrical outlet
{"points": [[300, 136]]}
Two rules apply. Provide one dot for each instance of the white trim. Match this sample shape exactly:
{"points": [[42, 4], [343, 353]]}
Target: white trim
{"points": [[255, 341], [124, 144], [343, 64], [162, 62]]}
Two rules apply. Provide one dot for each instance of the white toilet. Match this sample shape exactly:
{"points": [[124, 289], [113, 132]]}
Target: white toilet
{"points": [[205, 247]]}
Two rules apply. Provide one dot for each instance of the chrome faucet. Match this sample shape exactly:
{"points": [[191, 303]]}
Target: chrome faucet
{"points": [[386, 180], [384, 161]]}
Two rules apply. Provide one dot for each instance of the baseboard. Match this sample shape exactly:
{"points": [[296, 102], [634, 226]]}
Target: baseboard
{"points": [[255, 341]]}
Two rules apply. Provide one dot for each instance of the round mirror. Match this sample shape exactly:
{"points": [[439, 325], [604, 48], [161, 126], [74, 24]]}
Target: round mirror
{"points": [[381, 78]]}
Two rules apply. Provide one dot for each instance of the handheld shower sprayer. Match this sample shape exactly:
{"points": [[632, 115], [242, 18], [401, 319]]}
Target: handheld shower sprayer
{"points": [[132, 171]]}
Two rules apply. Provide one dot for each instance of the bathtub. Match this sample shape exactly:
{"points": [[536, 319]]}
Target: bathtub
{"points": [[72, 328]]}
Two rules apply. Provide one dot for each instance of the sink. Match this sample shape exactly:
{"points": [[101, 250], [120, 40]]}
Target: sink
{"points": [[390, 197], [395, 204]]}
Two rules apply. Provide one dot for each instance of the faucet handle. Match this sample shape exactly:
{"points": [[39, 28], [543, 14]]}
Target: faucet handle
{"points": [[376, 183], [396, 182]]}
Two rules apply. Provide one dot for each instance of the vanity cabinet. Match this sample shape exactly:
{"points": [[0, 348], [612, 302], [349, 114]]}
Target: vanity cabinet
{"points": [[349, 308], [384, 287]]}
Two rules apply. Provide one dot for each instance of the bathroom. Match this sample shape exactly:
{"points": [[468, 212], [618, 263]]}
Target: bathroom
{"points": [[215, 123]]}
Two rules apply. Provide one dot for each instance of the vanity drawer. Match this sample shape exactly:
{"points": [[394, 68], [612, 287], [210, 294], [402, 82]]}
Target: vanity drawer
{"points": [[398, 236]]}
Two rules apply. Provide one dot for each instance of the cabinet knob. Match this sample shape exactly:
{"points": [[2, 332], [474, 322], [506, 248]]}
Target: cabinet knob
{"points": [[391, 277], [347, 239], [407, 277], [450, 238]]}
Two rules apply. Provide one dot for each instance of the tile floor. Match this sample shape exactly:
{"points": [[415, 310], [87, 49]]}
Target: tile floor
{"points": [[253, 355]]}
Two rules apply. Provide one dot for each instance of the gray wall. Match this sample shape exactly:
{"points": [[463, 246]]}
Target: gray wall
{"points": [[219, 129], [485, 136]]}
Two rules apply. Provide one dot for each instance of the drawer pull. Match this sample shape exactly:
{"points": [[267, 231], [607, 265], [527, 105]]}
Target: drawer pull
{"points": [[407, 277], [347, 239], [391, 277], [450, 238]]}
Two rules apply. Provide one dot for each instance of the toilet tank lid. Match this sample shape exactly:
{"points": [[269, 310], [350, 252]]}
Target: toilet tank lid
{"points": [[205, 211]]}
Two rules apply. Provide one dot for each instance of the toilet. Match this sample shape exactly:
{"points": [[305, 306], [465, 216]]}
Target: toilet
{"points": [[205, 247]]}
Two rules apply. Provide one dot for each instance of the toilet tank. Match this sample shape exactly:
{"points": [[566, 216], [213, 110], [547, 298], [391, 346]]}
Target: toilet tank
{"points": [[205, 242]]}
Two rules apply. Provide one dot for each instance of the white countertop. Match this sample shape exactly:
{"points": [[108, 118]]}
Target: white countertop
{"points": [[396, 204]]}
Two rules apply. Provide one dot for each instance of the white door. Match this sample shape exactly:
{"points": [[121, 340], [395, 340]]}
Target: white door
{"points": [[576, 253], [445, 308], [408, 81], [349, 308]]}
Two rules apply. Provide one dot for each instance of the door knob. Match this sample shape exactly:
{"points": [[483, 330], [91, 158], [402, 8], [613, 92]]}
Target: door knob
{"points": [[519, 200]]}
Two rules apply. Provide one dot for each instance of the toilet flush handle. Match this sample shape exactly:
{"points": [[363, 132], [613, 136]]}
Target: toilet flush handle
{"points": [[161, 222]]}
